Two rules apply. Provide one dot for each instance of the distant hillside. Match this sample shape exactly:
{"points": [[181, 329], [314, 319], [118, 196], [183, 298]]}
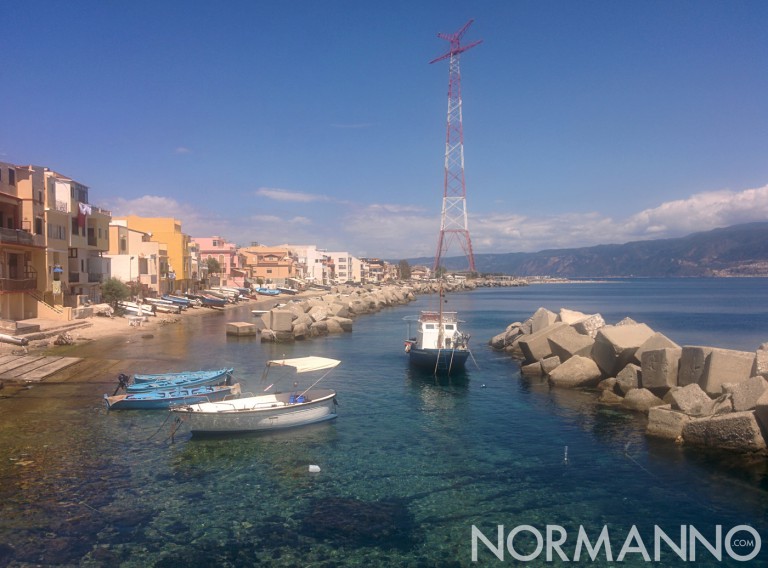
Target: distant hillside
{"points": [[739, 250]]}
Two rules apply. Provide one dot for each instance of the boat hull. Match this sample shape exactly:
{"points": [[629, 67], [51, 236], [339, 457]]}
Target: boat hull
{"points": [[144, 383], [438, 360], [158, 400], [259, 413]]}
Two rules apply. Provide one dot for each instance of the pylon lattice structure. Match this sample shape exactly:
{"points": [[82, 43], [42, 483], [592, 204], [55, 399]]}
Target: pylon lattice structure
{"points": [[453, 221]]}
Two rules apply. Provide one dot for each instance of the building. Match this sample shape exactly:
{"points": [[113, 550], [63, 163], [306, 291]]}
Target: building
{"points": [[177, 276], [77, 237], [52, 246], [22, 251], [345, 267], [137, 260], [311, 263], [269, 265], [231, 262]]}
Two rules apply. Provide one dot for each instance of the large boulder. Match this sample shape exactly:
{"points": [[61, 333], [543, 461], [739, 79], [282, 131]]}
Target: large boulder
{"points": [[693, 359], [549, 364], [665, 422], [659, 367], [615, 346], [656, 341], [630, 377], [571, 316], [279, 320], [761, 362], [567, 342], [590, 325], [746, 393], [577, 371], [536, 346], [532, 369], [737, 431], [761, 411], [641, 400], [726, 366], [692, 400], [542, 318]]}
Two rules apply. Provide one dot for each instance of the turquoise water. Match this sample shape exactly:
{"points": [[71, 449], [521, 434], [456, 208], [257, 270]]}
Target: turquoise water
{"points": [[410, 465]]}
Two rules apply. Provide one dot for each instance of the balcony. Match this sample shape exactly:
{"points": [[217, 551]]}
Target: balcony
{"points": [[95, 277], [17, 284], [74, 277], [17, 236]]}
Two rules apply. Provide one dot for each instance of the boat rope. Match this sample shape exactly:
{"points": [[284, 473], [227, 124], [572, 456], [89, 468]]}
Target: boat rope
{"points": [[161, 427]]}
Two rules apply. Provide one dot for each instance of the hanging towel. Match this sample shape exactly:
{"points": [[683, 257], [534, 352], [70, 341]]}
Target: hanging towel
{"points": [[83, 210]]}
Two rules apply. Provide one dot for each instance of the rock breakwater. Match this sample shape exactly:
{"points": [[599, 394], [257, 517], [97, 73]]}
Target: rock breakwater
{"points": [[334, 311], [697, 395]]}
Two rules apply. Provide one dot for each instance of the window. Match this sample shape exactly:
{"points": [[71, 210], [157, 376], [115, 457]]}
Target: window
{"points": [[75, 226], [11, 177], [38, 225], [73, 253]]}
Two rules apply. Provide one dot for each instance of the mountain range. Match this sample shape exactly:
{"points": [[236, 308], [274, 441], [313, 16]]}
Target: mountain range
{"points": [[738, 250]]}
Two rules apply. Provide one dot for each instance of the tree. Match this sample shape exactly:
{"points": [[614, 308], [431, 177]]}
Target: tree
{"points": [[405, 270], [213, 266], [113, 291]]}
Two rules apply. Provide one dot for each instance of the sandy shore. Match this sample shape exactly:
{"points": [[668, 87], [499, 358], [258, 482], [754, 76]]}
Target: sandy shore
{"points": [[100, 327]]}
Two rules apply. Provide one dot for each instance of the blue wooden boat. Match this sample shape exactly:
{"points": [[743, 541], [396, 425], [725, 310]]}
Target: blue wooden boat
{"points": [[212, 301], [152, 400], [183, 302], [174, 380], [267, 292]]}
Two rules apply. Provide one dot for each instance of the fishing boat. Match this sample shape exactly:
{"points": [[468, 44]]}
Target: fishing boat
{"points": [[267, 291], [208, 300], [164, 306], [438, 345], [176, 380], [134, 309], [163, 399], [253, 413], [178, 300]]}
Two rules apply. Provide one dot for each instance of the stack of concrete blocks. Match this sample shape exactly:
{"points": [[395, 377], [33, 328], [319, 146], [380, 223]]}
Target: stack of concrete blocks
{"points": [[330, 313], [704, 396]]}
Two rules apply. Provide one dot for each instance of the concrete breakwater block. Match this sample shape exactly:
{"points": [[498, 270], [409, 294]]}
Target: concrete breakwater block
{"points": [[241, 328]]}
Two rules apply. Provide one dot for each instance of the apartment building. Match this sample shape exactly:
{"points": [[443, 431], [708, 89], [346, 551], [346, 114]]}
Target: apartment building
{"points": [[52, 243], [177, 276], [136, 259], [22, 251], [77, 237], [231, 262], [269, 265]]}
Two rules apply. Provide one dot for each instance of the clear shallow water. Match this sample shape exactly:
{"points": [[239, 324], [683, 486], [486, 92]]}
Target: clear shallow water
{"points": [[407, 468]]}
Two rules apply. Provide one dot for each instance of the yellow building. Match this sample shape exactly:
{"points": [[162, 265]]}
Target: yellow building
{"points": [[178, 274], [51, 244]]}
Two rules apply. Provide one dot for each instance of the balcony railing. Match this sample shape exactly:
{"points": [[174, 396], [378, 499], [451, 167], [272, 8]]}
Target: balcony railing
{"points": [[16, 236], [18, 285]]}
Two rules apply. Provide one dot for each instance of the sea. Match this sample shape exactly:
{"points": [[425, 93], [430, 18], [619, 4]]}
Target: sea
{"points": [[486, 468]]}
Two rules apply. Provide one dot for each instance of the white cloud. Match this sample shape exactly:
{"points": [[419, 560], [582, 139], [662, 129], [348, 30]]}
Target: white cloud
{"points": [[182, 150], [700, 212], [406, 231], [288, 195]]}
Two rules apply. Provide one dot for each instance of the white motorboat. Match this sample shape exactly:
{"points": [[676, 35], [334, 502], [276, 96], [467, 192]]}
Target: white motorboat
{"points": [[251, 413]]}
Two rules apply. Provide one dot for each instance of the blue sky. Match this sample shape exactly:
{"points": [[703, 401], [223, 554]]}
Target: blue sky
{"points": [[585, 122]]}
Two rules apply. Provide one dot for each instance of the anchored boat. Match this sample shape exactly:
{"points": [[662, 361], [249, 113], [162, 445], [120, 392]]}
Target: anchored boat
{"points": [[297, 407], [152, 400]]}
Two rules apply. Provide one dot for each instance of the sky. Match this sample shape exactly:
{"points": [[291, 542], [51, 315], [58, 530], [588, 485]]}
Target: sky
{"points": [[322, 122]]}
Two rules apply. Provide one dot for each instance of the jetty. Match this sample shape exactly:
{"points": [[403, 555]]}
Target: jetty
{"points": [[696, 395]]}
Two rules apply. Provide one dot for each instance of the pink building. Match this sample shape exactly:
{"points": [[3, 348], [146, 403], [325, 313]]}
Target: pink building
{"points": [[225, 253]]}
